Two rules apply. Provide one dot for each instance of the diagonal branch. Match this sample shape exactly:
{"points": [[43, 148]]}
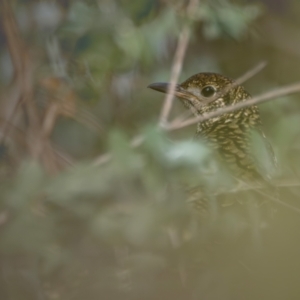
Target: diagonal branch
{"points": [[183, 41], [249, 74], [283, 91]]}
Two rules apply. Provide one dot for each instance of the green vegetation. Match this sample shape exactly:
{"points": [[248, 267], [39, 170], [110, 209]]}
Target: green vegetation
{"points": [[84, 214]]}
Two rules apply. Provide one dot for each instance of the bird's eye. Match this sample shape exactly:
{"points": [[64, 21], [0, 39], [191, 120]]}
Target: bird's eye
{"points": [[208, 91]]}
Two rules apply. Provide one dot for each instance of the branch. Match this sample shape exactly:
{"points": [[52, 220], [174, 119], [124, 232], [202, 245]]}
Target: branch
{"points": [[259, 190], [249, 74], [22, 94], [283, 91], [104, 158], [183, 41]]}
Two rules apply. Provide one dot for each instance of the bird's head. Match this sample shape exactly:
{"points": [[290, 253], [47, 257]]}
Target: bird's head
{"points": [[205, 92]]}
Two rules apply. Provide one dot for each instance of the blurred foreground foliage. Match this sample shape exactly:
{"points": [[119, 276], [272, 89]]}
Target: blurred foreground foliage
{"points": [[72, 229], [123, 230]]}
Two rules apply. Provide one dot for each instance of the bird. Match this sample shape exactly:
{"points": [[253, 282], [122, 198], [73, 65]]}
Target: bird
{"points": [[229, 134], [233, 136]]}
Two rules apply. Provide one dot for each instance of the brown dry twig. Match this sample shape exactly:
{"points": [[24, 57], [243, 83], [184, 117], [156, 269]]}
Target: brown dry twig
{"points": [[20, 105], [20, 62]]}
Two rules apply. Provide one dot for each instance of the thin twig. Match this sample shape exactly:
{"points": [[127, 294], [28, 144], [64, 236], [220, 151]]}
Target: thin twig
{"points": [[104, 158], [279, 201], [23, 84], [176, 69], [283, 91], [249, 74], [259, 189], [18, 54], [183, 41]]}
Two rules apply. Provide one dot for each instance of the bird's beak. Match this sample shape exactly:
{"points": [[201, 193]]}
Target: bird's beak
{"points": [[164, 87]]}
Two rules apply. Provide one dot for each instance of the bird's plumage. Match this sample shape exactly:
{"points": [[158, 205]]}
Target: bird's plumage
{"points": [[229, 134]]}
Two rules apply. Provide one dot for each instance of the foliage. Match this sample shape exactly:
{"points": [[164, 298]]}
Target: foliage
{"points": [[122, 229]]}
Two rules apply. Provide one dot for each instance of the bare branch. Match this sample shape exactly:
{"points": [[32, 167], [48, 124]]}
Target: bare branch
{"points": [[104, 158], [283, 91], [259, 189], [278, 201], [183, 41], [22, 87], [249, 74]]}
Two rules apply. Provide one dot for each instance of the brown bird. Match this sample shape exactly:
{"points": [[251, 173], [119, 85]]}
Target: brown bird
{"points": [[235, 135]]}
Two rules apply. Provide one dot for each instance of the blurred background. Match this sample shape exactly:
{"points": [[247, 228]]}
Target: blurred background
{"points": [[78, 223]]}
